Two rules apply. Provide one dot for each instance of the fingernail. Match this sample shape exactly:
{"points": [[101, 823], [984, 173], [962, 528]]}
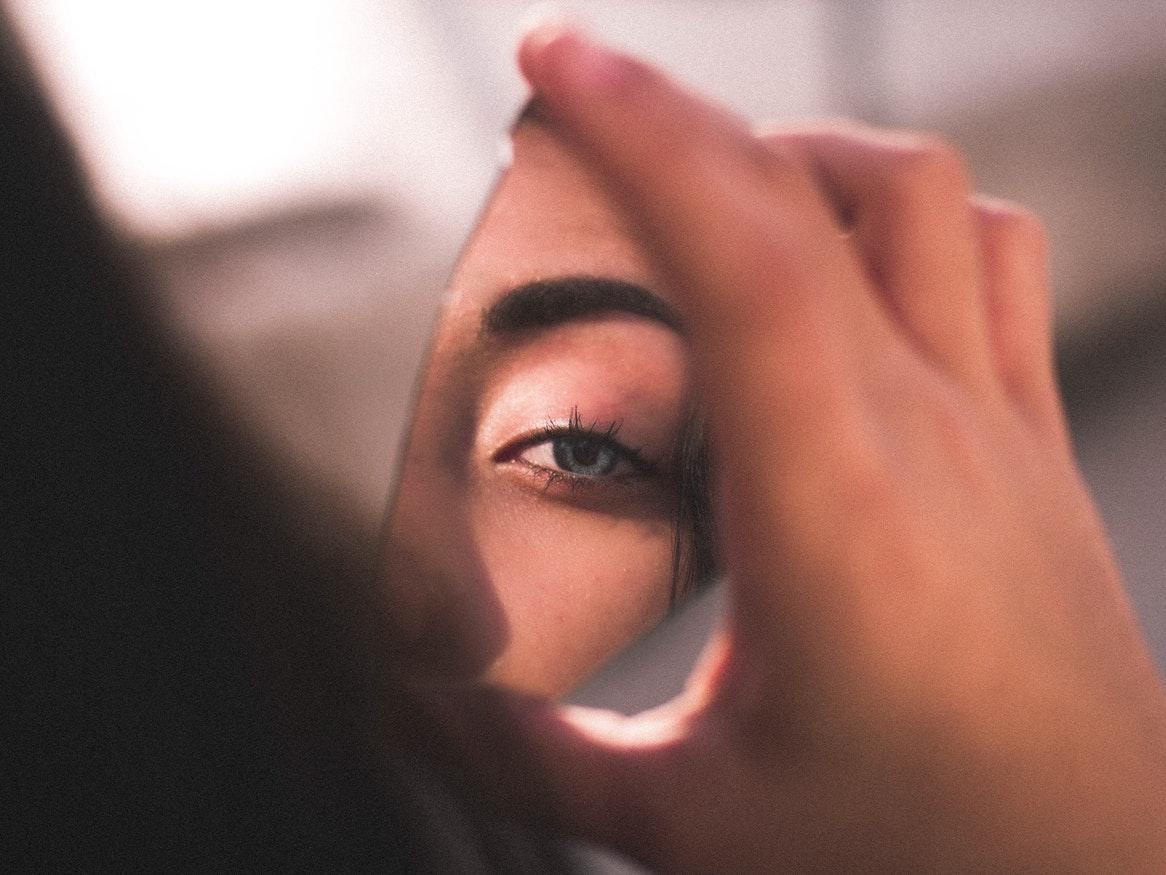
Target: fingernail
{"points": [[534, 21], [562, 53]]}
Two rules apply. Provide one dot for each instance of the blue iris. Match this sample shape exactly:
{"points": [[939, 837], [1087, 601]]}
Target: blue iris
{"points": [[584, 457]]}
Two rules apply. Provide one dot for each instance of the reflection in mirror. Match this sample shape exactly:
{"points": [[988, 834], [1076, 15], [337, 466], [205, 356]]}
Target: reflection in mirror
{"points": [[555, 478], [1029, 96]]}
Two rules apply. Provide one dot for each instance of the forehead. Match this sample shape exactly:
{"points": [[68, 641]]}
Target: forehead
{"points": [[549, 217]]}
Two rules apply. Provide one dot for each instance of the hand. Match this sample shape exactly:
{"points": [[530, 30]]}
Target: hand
{"points": [[929, 661]]}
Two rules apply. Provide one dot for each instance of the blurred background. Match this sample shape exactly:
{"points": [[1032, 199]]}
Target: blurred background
{"points": [[254, 157]]}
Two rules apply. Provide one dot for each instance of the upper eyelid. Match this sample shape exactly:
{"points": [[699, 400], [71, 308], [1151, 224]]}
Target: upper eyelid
{"points": [[549, 432], [575, 426], [572, 427], [515, 447]]}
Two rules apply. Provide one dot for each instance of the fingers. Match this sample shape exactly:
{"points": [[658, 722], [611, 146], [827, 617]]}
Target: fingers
{"points": [[783, 324], [1016, 294], [791, 321], [906, 200], [964, 276], [585, 773], [753, 249]]}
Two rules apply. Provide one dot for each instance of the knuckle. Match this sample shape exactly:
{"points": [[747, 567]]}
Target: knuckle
{"points": [[771, 136], [1011, 224], [840, 129], [766, 149], [923, 163], [872, 489], [775, 156], [863, 484]]}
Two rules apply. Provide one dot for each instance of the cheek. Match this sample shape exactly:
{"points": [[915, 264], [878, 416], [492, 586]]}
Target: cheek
{"points": [[443, 614], [575, 589]]}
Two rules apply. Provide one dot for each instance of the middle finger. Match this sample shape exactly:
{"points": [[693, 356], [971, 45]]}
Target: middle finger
{"points": [[907, 199]]}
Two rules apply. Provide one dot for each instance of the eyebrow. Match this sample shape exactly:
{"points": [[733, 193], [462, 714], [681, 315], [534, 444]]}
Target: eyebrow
{"points": [[549, 302]]}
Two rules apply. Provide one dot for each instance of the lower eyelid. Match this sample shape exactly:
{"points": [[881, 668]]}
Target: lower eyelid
{"points": [[567, 486], [621, 475], [623, 495]]}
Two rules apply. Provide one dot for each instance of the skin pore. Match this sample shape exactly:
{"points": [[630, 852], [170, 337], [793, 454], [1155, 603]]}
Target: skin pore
{"points": [[541, 514]]}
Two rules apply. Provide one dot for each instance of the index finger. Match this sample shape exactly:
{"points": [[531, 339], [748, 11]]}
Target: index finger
{"points": [[783, 323], [684, 167]]}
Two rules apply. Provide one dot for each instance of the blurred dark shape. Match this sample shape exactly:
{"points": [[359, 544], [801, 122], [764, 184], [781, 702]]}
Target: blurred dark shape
{"points": [[1114, 383], [194, 679], [1128, 346], [1083, 152]]}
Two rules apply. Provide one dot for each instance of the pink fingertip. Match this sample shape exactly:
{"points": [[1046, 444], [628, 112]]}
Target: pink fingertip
{"points": [[557, 53]]}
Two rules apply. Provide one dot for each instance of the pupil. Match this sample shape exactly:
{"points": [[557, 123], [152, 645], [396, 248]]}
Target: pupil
{"points": [[586, 453], [587, 458]]}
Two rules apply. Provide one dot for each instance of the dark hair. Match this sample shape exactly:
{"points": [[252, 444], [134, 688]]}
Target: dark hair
{"points": [[194, 678], [694, 557]]}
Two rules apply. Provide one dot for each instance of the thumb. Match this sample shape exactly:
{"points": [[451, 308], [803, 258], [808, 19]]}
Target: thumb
{"points": [[640, 784], [587, 773]]}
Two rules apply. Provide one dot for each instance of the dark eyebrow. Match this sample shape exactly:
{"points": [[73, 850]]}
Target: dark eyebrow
{"points": [[549, 302]]}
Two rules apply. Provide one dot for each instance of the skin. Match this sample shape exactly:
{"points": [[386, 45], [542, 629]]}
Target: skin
{"points": [[929, 663], [528, 577]]}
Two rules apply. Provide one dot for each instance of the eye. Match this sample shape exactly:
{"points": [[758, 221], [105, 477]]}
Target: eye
{"points": [[578, 456]]}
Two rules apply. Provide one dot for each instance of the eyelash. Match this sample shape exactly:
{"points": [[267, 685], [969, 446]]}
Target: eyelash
{"points": [[576, 429]]}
